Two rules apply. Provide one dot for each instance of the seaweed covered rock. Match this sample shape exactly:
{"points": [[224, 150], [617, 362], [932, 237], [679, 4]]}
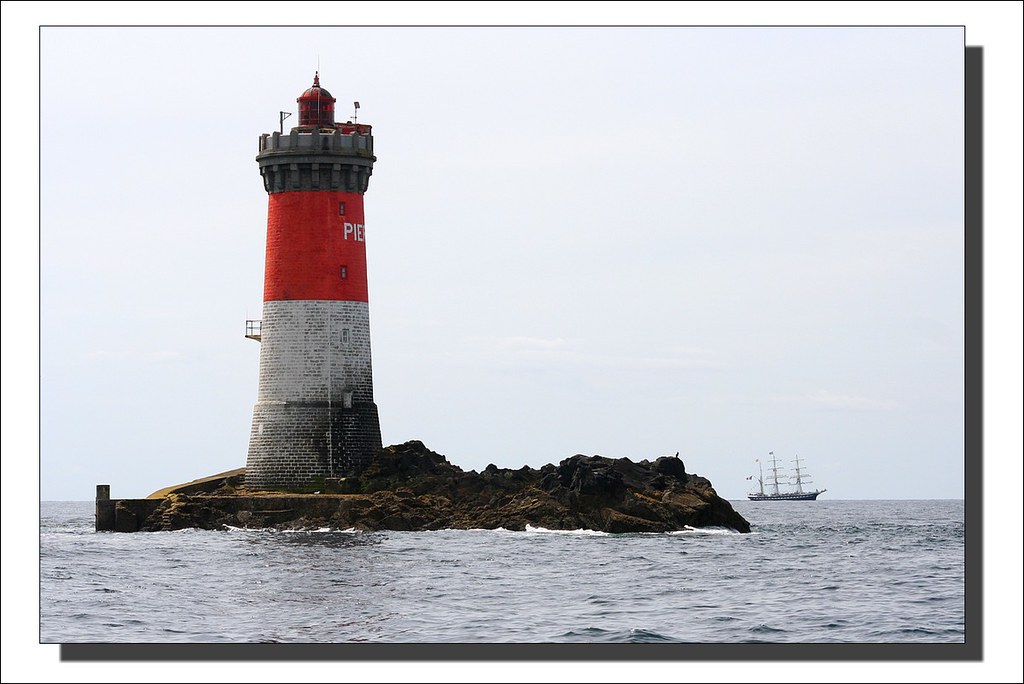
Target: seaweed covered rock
{"points": [[410, 487]]}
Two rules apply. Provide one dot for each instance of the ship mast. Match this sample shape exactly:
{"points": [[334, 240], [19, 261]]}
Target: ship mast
{"points": [[799, 477], [775, 474]]}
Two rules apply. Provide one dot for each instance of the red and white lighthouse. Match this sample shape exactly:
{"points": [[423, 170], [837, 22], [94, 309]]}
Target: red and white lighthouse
{"points": [[315, 416]]}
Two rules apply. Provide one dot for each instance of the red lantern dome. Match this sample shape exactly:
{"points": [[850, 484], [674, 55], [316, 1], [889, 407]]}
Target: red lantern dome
{"points": [[316, 105]]}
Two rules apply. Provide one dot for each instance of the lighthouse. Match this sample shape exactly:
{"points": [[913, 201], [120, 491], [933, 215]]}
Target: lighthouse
{"points": [[315, 416]]}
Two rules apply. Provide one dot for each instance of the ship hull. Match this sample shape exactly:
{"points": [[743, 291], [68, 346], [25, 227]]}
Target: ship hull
{"points": [[804, 496]]}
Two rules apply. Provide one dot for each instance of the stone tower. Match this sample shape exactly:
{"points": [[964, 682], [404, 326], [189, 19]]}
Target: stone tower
{"points": [[314, 416]]}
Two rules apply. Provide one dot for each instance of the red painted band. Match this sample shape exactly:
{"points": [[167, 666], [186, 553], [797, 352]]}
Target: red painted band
{"points": [[316, 247]]}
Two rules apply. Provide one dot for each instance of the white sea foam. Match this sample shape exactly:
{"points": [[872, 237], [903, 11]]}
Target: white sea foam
{"points": [[705, 531], [579, 532], [530, 529], [232, 528]]}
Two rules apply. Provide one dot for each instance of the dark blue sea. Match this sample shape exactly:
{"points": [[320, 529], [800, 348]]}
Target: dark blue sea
{"points": [[811, 572]]}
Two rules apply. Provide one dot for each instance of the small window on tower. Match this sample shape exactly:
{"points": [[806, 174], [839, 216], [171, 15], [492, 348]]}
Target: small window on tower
{"points": [[344, 272], [341, 208], [344, 336]]}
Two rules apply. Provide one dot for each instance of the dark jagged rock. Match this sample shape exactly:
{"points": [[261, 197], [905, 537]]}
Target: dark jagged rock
{"points": [[409, 487]]}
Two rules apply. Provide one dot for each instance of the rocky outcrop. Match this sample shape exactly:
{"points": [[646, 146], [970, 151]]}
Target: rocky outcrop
{"points": [[409, 487]]}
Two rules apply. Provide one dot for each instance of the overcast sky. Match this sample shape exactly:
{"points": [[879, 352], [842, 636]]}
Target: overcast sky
{"points": [[626, 242]]}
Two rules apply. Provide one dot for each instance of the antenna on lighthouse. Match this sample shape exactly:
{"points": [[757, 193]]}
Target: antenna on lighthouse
{"points": [[316, 84], [284, 115], [355, 116]]}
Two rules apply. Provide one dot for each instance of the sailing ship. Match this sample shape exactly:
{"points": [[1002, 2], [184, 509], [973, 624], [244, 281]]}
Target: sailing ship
{"points": [[776, 494]]}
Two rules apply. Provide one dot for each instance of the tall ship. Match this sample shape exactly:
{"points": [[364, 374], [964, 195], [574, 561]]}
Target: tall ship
{"points": [[774, 493]]}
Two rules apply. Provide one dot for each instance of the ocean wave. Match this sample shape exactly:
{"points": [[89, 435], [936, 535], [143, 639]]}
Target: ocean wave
{"points": [[634, 635]]}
